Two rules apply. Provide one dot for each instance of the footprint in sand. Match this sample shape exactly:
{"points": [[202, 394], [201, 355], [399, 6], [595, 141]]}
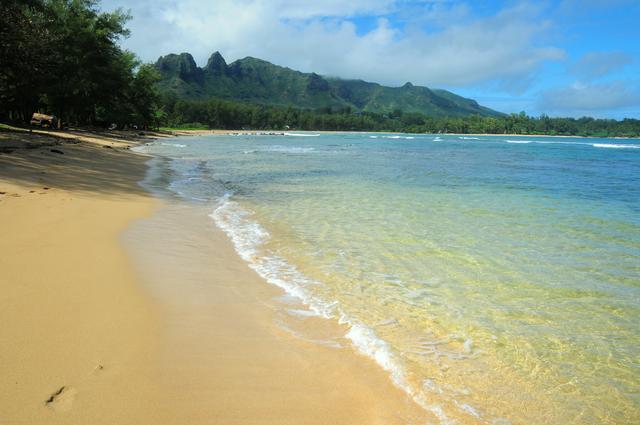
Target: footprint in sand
{"points": [[61, 400]]}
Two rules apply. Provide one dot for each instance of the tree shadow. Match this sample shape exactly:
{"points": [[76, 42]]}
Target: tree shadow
{"points": [[70, 165]]}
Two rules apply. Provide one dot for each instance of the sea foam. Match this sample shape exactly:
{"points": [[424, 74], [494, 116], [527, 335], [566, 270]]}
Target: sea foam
{"points": [[248, 236]]}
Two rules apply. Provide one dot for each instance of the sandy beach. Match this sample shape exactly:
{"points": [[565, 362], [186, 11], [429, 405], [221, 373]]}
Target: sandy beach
{"points": [[105, 322]]}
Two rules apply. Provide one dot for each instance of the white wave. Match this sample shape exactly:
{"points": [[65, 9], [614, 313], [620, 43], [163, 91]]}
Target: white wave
{"points": [[437, 139], [558, 142], [368, 343], [399, 137], [247, 236], [301, 135], [288, 149], [615, 146], [175, 145], [144, 148], [468, 138], [373, 137]]}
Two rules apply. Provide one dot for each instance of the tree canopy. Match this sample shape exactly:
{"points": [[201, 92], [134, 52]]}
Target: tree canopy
{"points": [[226, 114], [62, 57]]}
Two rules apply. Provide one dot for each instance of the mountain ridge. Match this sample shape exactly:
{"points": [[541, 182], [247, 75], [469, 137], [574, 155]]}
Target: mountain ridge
{"points": [[258, 81]]}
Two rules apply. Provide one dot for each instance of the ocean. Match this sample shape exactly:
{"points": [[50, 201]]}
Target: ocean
{"points": [[495, 278]]}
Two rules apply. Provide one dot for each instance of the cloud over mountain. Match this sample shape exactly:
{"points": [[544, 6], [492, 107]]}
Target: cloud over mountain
{"points": [[436, 43]]}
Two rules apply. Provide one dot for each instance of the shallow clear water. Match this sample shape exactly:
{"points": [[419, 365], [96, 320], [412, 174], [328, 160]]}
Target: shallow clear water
{"points": [[497, 279]]}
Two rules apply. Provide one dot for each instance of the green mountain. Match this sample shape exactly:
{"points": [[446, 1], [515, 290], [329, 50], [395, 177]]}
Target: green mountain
{"points": [[258, 81]]}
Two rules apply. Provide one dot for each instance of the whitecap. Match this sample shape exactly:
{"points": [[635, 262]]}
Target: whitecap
{"points": [[175, 145], [399, 137], [288, 149], [615, 146], [301, 135]]}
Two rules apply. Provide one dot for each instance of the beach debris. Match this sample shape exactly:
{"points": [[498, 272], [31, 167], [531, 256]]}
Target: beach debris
{"points": [[57, 151], [62, 399], [107, 146], [53, 396], [45, 188]]}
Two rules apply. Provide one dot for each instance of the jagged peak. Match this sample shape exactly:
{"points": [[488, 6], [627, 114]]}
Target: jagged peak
{"points": [[173, 58], [216, 64], [177, 63]]}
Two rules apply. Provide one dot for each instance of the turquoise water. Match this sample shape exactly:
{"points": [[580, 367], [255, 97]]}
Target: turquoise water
{"points": [[497, 279]]}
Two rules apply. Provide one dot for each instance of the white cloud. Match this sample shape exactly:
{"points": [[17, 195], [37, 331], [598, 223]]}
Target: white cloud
{"points": [[598, 64], [322, 37], [580, 97]]}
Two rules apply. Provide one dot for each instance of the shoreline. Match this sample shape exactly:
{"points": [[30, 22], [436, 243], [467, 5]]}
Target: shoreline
{"points": [[92, 337], [283, 132], [240, 354]]}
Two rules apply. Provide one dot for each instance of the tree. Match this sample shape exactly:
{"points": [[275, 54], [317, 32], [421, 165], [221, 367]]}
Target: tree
{"points": [[63, 57]]}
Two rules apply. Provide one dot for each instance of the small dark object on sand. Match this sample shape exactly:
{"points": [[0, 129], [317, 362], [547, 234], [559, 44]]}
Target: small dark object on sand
{"points": [[57, 151], [107, 146], [54, 395]]}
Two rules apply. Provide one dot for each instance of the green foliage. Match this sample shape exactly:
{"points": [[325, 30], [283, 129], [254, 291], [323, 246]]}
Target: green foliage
{"points": [[62, 57], [258, 81], [232, 115]]}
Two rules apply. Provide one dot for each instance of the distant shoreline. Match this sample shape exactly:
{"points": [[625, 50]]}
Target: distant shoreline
{"points": [[178, 132]]}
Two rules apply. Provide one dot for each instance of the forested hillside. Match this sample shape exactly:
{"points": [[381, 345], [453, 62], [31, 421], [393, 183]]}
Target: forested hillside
{"points": [[258, 81]]}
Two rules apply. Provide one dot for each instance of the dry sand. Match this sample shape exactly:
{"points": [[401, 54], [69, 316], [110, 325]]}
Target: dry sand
{"points": [[179, 332], [74, 321]]}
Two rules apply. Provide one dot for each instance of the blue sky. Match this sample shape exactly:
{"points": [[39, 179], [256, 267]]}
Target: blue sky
{"points": [[563, 58]]}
